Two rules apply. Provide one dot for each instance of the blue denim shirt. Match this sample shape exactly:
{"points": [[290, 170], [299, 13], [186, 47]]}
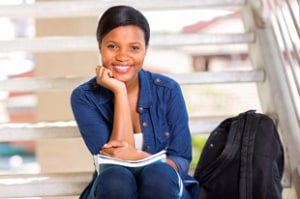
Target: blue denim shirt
{"points": [[163, 117]]}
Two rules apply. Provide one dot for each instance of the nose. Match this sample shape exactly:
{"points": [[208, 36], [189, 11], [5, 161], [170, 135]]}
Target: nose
{"points": [[122, 55]]}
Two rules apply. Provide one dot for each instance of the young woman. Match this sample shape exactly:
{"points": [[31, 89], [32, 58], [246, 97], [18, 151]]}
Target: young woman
{"points": [[129, 113]]}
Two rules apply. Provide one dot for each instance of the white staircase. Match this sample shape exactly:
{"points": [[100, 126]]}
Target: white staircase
{"points": [[276, 90]]}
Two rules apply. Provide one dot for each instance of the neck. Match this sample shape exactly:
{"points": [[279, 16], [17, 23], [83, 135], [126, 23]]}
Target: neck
{"points": [[133, 86]]}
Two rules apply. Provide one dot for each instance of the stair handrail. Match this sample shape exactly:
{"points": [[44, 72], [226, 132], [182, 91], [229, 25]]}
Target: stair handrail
{"points": [[274, 51], [284, 20]]}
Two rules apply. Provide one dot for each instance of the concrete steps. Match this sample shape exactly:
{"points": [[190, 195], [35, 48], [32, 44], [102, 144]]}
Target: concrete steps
{"points": [[64, 130], [68, 83], [88, 43], [43, 185], [94, 7]]}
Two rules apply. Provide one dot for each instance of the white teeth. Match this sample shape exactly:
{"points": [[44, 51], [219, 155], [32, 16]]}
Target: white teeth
{"points": [[122, 69]]}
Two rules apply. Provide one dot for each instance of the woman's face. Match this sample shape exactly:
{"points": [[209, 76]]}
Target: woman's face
{"points": [[123, 50]]}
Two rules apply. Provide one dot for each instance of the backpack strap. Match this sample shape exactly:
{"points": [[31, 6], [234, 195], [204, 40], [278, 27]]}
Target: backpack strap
{"points": [[230, 150], [247, 150]]}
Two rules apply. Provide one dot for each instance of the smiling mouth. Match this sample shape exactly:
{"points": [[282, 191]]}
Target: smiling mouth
{"points": [[121, 69]]}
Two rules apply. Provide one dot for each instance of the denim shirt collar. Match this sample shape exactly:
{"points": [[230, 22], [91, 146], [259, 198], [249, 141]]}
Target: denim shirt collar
{"points": [[145, 98]]}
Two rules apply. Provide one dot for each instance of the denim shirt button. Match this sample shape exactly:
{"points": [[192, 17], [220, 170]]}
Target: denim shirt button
{"points": [[145, 124], [148, 147], [157, 80], [167, 134], [141, 109]]}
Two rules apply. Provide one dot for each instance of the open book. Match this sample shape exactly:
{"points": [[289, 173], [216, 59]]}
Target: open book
{"points": [[102, 162]]}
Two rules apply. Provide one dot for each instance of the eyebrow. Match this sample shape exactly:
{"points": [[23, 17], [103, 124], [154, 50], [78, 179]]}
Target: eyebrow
{"points": [[135, 42]]}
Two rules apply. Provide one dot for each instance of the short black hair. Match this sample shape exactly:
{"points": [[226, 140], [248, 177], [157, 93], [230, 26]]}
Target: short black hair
{"points": [[122, 16]]}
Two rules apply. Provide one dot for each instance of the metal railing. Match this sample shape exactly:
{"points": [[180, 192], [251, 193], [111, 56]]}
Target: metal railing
{"points": [[285, 20]]}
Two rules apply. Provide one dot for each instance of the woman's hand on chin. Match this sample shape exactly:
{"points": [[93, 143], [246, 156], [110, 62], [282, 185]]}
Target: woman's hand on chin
{"points": [[106, 79]]}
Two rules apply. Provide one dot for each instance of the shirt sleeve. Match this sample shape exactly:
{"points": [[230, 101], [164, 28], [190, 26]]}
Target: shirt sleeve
{"points": [[93, 126], [180, 147]]}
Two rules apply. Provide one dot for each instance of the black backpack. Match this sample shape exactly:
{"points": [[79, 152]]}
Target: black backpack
{"points": [[243, 158]]}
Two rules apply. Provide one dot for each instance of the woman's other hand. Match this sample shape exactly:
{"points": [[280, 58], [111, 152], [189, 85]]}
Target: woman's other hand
{"points": [[122, 150]]}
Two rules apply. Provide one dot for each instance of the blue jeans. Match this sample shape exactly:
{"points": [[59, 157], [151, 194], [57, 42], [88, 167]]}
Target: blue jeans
{"points": [[155, 181]]}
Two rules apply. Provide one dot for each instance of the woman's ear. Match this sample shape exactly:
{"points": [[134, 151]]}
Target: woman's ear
{"points": [[99, 47], [147, 47]]}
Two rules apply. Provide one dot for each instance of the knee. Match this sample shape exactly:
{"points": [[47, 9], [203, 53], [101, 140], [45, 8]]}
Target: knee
{"points": [[160, 169], [160, 175], [115, 180]]}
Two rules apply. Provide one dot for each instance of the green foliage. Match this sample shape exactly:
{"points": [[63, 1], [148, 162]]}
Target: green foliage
{"points": [[198, 142]]}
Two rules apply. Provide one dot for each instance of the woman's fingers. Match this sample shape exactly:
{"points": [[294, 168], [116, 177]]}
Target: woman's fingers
{"points": [[115, 144]]}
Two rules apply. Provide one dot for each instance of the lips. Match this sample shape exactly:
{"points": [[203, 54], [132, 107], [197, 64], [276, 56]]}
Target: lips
{"points": [[121, 69]]}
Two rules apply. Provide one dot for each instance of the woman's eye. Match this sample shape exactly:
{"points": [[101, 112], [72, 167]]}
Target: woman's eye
{"points": [[135, 48], [112, 46]]}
